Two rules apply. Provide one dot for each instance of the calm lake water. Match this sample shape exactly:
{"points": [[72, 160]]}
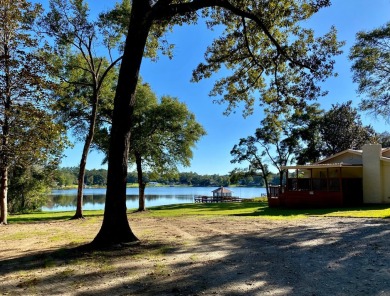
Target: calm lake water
{"points": [[65, 200]]}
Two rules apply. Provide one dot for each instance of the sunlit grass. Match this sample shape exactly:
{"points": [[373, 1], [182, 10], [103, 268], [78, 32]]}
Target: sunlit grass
{"points": [[49, 216], [258, 208], [261, 209]]}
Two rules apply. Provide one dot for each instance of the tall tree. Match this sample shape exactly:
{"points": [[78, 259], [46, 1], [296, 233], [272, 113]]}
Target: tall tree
{"points": [[306, 124], [341, 128], [384, 139], [262, 40], [28, 133], [87, 79], [322, 134], [371, 69], [162, 136]]}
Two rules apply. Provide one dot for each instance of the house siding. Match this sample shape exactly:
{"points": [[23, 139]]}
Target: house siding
{"points": [[386, 182]]}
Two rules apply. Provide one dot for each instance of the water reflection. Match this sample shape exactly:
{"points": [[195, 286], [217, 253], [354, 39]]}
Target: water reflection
{"points": [[94, 198]]}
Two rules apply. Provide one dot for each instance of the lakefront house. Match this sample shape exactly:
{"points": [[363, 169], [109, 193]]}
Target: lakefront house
{"points": [[348, 178]]}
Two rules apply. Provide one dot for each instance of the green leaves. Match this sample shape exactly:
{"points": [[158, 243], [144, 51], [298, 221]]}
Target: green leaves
{"points": [[163, 133], [341, 128], [266, 52], [31, 140], [371, 69]]}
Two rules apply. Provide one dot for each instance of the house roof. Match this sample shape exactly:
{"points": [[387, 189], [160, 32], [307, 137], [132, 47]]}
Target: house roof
{"points": [[348, 151], [386, 153], [322, 166], [339, 160], [222, 190], [387, 159]]}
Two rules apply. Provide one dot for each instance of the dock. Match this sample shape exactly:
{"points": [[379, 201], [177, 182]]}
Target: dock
{"points": [[215, 199]]}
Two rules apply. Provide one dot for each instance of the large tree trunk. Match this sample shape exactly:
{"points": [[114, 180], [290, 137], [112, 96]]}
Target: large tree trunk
{"points": [[141, 184], [3, 195], [115, 228]]}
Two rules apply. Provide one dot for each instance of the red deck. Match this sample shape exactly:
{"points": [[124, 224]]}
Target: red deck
{"points": [[347, 193]]}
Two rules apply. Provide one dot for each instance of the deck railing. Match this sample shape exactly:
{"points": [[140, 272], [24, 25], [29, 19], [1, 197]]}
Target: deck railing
{"points": [[274, 190], [317, 184], [214, 199]]}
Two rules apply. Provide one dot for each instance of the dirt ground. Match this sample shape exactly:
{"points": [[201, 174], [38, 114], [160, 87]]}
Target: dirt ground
{"points": [[200, 256]]}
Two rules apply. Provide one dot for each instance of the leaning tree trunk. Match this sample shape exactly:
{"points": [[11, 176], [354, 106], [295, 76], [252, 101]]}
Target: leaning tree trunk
{"points": [[115, 228], [141, 184], [84, 156], [267, 187], [80, 184]]}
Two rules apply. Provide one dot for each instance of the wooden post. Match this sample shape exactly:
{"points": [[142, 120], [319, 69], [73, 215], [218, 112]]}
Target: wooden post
{"points": [[327, 179]]}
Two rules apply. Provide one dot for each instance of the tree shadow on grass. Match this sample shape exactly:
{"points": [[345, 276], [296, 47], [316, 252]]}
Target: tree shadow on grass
{"points": [[258, 209], [342, 258], [264, 210], [48, 216]]}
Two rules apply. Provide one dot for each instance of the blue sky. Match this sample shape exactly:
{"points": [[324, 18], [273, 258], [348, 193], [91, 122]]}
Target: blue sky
{"points": [[172, 77]]}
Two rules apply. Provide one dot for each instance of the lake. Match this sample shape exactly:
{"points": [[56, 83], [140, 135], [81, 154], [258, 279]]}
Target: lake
{"points": [[94, 198]]}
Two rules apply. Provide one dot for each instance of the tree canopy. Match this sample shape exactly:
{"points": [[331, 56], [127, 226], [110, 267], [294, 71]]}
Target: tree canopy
{"points": [[341, 128], [29, 135], [162, 136], [371, 69], [324, 133]]}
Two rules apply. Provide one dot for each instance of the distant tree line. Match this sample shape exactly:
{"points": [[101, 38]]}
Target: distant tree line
{"points": [[68, 176]]}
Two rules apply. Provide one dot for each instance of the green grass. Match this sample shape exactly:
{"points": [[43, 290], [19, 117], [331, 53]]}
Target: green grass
{"points": [[261, 209], [258, 208], [49, 216]]}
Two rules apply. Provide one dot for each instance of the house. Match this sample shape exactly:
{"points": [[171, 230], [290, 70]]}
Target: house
{"points": [[348, 178]]}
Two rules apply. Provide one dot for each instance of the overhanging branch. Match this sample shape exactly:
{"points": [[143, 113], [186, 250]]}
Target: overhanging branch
{"points": [[164, 10]]}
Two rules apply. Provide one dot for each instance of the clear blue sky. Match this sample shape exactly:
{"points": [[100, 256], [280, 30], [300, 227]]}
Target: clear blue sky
{"points": [[172, 77]]}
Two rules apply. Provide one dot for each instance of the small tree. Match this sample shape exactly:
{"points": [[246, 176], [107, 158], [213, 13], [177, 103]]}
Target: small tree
{"points": [[272, 143], [371, 69], [87, 79], [29, 187], [247, 151], [162, 137]]}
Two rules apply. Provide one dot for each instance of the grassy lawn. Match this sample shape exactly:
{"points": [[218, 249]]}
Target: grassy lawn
{"points": [[258, 209]]}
